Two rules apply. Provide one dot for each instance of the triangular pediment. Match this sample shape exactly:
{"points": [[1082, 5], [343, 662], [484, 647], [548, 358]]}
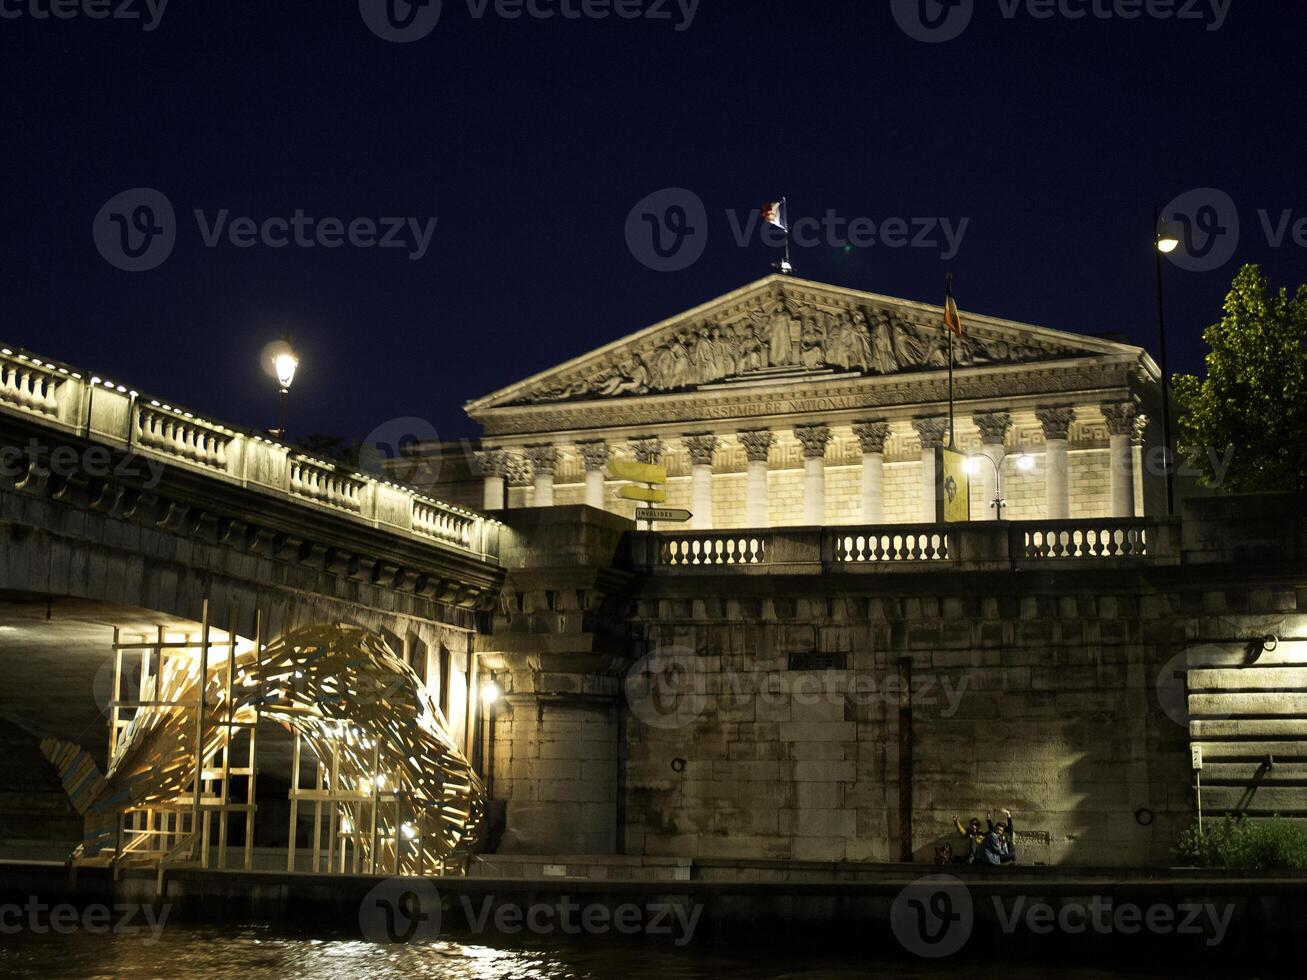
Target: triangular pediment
{"points": [[784, 330]]}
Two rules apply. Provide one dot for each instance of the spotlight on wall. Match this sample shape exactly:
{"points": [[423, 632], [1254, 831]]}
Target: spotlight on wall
{"points": [[1025, 463], [491, 693]]}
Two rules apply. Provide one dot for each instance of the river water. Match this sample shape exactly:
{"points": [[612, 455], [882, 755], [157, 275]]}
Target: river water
{"points": [[252, 953]]}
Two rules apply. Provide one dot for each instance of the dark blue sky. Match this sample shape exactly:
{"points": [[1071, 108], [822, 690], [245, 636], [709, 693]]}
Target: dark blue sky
{"points": [[531, 141]]}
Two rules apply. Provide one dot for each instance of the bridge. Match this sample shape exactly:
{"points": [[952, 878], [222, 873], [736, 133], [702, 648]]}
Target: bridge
{"points": [[130, 522]]}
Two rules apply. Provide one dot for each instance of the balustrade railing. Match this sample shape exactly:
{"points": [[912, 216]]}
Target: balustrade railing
{"points": [[172, 434], [1081, 540], [721, 548], [91, 408], [888, 544], [324, 483]]}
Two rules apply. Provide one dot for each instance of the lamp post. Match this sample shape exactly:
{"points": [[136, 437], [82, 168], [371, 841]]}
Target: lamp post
{"points": [[285, 363], [1166, 242], [1024, 463]]}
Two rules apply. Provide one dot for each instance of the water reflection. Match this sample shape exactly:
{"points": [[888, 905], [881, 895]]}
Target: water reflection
{"points": [[256, 953]]}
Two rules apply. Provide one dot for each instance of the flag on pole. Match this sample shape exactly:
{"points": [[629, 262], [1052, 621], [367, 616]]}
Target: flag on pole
{"points": [[951, 318], [774, 214]]}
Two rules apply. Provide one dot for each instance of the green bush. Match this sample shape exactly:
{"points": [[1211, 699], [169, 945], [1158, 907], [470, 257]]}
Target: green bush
{"points": [[1245, 845]]}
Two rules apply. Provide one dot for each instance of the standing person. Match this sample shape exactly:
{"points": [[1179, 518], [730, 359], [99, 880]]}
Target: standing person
{"points": [[974, 838]]}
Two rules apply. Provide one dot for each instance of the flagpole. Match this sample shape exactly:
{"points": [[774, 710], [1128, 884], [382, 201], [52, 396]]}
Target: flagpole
{"points": [[952, 436], [785, 217]]}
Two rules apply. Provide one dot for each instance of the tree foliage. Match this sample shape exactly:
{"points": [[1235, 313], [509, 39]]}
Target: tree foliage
{"points": [[1254, 396]]}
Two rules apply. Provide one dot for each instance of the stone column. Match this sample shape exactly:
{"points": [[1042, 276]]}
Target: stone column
{"points": [[872, 436], [595, 455], [932, 432], [494, 470], [1120, 418], [543, 460], [757, 444], [702, 446], [1139, 445], [1057, 426], [993, 428], [814, 439]]}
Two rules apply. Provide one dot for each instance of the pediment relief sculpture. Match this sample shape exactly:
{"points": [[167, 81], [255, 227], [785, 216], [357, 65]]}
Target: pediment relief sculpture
{"points": [[786, 337]]}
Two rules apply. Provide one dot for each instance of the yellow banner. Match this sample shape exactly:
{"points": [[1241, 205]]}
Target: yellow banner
{"points": [[625, 469], [953, 495], [649, 495]]}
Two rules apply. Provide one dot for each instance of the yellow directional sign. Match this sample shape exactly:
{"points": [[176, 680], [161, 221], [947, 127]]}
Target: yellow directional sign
{"points": [[625, 469], [649, 495]]}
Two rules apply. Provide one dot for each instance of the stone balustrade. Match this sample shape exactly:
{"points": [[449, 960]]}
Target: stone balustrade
{"points": [[82, 406], [977, 546]]}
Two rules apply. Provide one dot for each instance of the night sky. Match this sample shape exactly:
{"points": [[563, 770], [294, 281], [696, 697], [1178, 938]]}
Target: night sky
{"points": [[531, 141]]}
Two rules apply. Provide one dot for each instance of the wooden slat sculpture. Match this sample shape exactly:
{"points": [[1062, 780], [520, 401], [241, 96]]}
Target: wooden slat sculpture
{"points": [[406, 798]]}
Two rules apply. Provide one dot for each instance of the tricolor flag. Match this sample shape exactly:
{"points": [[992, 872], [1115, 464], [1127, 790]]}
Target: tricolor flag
{"points": [[774, 214], [951, 318]]}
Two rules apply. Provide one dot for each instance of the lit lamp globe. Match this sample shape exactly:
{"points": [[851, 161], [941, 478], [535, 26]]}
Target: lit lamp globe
{"points": [[1167, 238], [285, 364]]}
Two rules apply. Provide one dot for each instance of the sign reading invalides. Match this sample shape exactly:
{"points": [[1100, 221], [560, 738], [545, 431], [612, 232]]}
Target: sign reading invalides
{"points": [[953, 486]]}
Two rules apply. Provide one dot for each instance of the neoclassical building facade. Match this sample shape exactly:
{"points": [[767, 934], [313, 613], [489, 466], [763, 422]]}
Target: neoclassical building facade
{"points": [[789, 402]]}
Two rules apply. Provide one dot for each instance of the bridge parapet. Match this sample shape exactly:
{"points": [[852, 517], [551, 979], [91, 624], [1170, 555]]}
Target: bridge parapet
{"points": [[83, 405]]}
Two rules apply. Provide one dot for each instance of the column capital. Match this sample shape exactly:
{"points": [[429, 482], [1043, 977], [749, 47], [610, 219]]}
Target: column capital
{"points": [[932, 431], [493, 462], [993, 427], [517, 469], [648, 449], [1120, 418], [757, 443], [543, 458], [872, 435], [1056, 421], [702, 446], [595, 454], [815, 438]]}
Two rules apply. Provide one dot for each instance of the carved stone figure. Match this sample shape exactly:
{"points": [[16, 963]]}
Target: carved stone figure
{"points": [[859, 340], [883, 358], [813, 354]]}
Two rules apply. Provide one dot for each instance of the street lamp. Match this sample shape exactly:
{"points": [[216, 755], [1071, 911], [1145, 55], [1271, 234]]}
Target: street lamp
{"points": [[1166, 241], [1023, 462], [284, 364]]}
